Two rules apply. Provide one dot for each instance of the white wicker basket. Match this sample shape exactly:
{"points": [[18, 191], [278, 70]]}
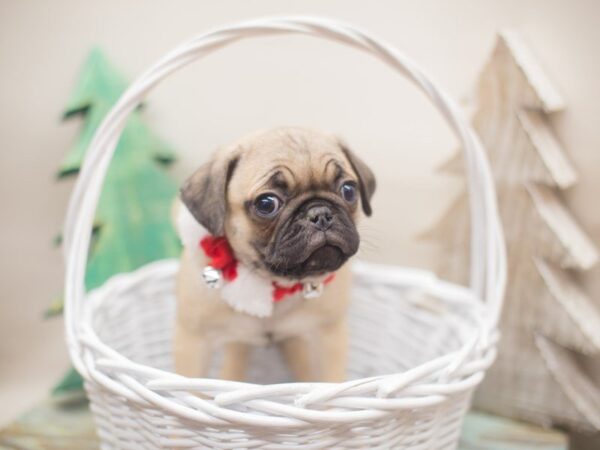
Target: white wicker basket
{"points": [[419, 345]]}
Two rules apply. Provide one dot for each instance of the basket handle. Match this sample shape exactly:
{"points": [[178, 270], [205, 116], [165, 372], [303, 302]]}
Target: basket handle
{"points": [[488, 259]]}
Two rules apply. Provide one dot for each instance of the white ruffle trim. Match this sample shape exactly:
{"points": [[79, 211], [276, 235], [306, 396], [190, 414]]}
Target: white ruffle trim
{"points": [[248, 293]]}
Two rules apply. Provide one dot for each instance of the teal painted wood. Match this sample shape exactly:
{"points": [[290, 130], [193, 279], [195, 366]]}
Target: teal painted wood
{"points": [[487, 432], [52, 426], [133, 221]]}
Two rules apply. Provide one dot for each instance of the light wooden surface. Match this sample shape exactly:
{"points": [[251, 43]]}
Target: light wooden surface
{"points": [[70, 427], [50, 426]]}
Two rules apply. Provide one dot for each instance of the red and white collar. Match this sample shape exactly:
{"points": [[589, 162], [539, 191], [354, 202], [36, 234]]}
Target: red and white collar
{"points": [[244, 290]]}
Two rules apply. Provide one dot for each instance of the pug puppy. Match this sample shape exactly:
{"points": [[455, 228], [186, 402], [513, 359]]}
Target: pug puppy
{"points": [[268, 225]]}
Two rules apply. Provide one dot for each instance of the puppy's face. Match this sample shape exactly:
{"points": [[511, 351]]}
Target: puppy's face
{"points": [[286, 199]]}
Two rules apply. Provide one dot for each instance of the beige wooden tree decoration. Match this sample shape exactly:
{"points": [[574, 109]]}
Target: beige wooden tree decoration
{"points": [[549, 325]]}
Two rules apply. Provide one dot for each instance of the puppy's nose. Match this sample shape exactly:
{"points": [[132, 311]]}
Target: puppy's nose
{"points": [[321, 216]]}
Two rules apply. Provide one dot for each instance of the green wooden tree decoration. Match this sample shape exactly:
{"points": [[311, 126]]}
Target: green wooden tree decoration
{"points": [[133, 222]]}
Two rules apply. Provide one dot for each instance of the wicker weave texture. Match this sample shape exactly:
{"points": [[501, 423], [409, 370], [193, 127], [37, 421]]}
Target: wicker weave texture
{"points": [[396, 329]]}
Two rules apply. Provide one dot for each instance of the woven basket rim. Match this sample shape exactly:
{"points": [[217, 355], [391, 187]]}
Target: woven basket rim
{"points": [[379, 394], [488, 260]]}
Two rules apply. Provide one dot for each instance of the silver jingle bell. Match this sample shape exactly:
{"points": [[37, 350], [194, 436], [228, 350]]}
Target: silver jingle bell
{"points": [[212, 277], [312, 290]]}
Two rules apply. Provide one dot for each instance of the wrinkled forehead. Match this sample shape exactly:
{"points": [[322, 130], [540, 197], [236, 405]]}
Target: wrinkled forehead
{"points": [[290, 162]]}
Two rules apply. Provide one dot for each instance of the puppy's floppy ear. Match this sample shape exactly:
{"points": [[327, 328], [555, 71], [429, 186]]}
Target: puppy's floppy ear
{"points": [[205, 193], [366, 179]]}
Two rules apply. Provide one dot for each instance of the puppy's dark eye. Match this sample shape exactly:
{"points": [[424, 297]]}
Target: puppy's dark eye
{"points": [[348, 191], [267, 205]]}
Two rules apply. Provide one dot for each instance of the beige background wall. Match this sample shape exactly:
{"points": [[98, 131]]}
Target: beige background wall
{"points": [[261, 83]]}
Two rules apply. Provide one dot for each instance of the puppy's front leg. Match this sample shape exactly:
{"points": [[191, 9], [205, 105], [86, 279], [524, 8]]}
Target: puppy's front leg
{"points": [[333, 350], [321, 356], [191, 352], [297, 352], [235, 360]]}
